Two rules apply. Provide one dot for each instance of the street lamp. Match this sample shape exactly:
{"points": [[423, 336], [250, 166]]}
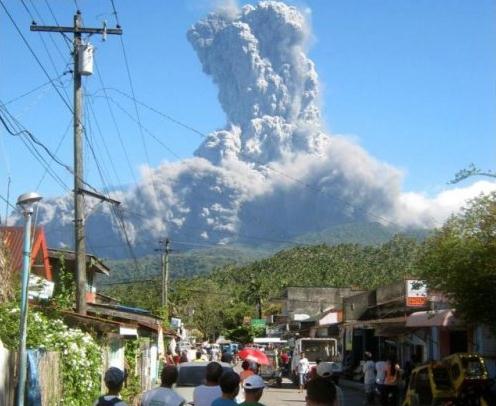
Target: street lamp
{"points": [[26, 202]]}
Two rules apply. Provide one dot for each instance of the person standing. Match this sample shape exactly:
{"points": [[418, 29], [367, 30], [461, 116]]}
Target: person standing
{"points": [[302, 369], [164, 395], [204, 395], [368, 368], [114, 379], [391, 381], [247, 370], [253, 386], [229, 384], [380, 369]]}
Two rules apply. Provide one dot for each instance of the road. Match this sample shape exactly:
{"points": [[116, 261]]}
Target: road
{"points": [[288, 395]]}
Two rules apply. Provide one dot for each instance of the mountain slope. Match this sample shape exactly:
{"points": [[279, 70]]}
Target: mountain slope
{"points": [[201, 261]]}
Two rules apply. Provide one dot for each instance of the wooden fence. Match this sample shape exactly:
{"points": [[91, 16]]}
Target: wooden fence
{"points": [[48, 371]]}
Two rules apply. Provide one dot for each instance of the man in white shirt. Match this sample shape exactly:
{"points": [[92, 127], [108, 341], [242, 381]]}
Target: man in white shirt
{"points": [[368, 368], [380, 368], [204, 395], [164, 395], [302, 369]]}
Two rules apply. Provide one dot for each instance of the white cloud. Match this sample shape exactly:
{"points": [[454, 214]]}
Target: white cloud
{"points": [[420, 209]]}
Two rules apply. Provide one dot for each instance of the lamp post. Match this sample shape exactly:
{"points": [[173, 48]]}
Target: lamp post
{"points": [[26, 202]]}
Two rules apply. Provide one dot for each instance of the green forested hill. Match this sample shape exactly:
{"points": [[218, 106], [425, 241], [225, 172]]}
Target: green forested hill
{"points": [[181, 264], [200, 261], [227, 294]]}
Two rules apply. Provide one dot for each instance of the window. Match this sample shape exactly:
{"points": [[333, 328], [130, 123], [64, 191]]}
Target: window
{"points": [[455, 371]]}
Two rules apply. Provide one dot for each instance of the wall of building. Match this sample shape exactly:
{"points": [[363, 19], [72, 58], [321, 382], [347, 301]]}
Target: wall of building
{"points": [[312, 301]]}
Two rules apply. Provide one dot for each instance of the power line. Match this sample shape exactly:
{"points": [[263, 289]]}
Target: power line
{"points": [[30, 145], [107, 151], [116, 126], [34, 54], [158, 140], [114, 211], [62, 138], [17, 98]]}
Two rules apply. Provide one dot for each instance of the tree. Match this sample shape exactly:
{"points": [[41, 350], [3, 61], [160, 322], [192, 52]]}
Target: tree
{"points": [[460, 260]]}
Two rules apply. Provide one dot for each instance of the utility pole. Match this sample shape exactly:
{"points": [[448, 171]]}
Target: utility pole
{"points": [[164, 261], [79, 238]]}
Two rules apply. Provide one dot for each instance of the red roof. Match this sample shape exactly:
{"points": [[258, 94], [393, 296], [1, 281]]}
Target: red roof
{"points": [[13, 238]]}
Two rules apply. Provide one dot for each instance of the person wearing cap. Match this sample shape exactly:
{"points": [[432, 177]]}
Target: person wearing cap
{"points": [[114, 378], [253, 386], [164, 395], [325, 371]]}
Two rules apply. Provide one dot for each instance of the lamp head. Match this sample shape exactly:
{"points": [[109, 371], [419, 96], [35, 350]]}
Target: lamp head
{"points": [[27, 200]]}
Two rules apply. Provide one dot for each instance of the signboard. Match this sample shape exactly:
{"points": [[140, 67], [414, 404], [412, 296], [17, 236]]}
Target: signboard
{"points": [[175, 323], [300, 317], [258, 322], [334, 317], [416, 293]]}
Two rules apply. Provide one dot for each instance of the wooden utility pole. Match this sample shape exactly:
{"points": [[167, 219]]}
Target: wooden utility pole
{"points": [[79, 238], [164, 261]]}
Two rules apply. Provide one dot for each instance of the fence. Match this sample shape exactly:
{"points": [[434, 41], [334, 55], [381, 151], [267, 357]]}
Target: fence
{"points": [[46, 371]]}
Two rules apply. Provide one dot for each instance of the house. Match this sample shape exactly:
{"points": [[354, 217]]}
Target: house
{"points": [[41, 279], [13, 240], [66, 259]]}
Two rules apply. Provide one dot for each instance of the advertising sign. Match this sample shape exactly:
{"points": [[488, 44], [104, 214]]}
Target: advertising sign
{"points": [[416, 293], [258, 322]]}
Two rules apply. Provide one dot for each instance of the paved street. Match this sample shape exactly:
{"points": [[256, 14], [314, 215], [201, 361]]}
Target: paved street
{"points": [[288, 395]]}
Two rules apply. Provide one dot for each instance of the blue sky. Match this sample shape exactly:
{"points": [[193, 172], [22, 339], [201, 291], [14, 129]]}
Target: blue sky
{"points": [[412, 81]]}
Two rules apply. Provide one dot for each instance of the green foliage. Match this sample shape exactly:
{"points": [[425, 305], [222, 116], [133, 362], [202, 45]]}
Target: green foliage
{"points": [[132, 387], [245, 334], [81, 356], [460, 260], [64, 294], [216, 303]]}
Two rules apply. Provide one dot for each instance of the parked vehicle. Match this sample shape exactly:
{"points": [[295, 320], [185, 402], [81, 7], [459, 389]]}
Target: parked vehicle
{"points": [[272, 373], [190, 375], [324, 349], [469, 377], [430, 384]]}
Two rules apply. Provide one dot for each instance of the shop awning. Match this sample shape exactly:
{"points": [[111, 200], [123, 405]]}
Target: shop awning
{"points": [[432, 318]]}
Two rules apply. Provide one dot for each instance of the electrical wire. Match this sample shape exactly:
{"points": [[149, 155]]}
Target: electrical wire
{"points": [[21, 96], [61, 140], [116, 125], [146, 130], [35, 56]]}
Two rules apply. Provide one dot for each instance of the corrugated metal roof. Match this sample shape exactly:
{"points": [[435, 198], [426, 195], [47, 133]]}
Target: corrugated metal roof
{"points": [[92, 262], [13, 238]]}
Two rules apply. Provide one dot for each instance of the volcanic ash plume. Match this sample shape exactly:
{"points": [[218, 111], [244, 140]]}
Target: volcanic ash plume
{"points": [[271, 172]]}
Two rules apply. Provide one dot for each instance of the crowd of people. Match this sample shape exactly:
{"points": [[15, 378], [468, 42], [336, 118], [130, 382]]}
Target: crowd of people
{"points": [[382, 379], [221, 388]]}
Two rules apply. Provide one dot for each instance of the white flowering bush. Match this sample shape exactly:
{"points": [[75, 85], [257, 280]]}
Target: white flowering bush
{"points": [[81, 356]]}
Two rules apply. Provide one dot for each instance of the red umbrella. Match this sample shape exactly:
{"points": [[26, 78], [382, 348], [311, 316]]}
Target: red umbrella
{"points": [[255, 355]]}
